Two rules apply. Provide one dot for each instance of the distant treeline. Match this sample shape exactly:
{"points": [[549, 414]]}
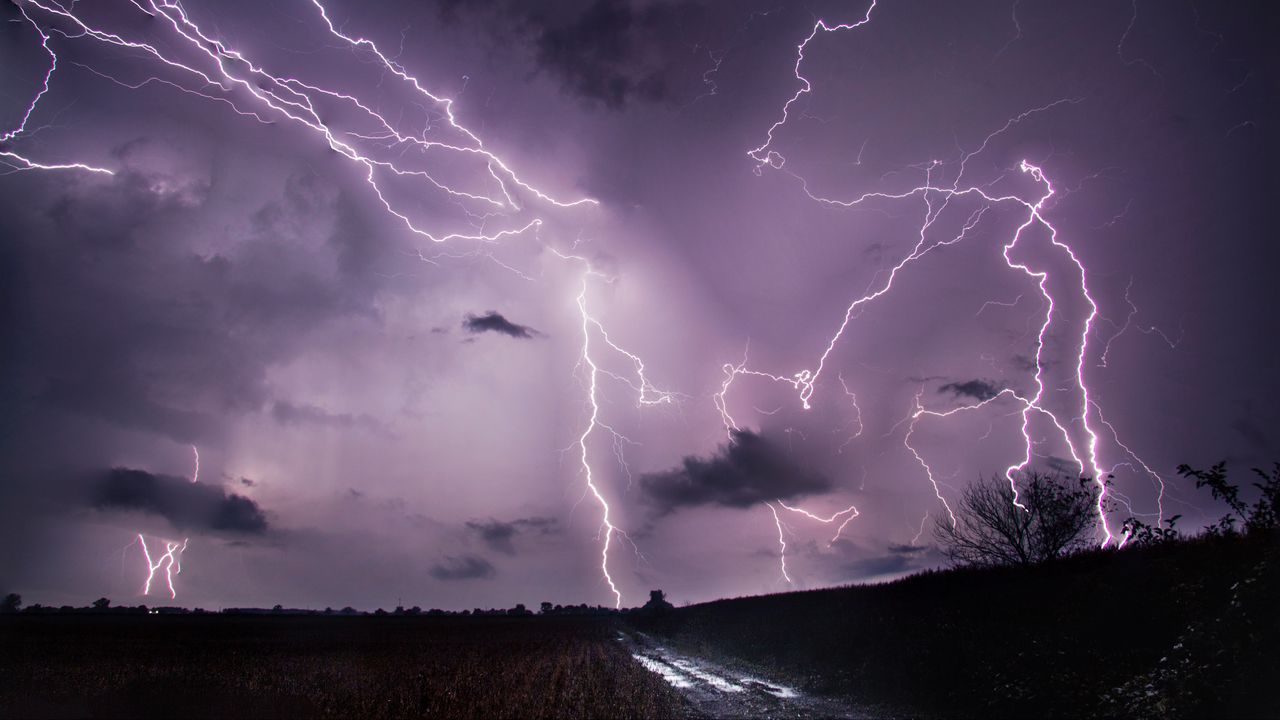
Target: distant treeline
{"points": [[102, 606]]}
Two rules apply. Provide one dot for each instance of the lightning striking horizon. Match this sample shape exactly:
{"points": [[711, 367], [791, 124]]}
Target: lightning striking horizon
{"points": [[504, 205], [936, 198], [171, 561], [230, 77], [646, 394]]}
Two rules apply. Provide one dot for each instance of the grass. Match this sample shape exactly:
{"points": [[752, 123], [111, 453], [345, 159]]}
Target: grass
{"points": [[1084, 635], [367, 667]]}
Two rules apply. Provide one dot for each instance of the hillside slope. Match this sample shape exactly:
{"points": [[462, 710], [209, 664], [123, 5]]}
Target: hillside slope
{"points": [[1182, 629]]}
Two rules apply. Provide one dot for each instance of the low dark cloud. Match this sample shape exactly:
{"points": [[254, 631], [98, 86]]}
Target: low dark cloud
{"points": [[596, 55], [287, 413], [467, 567], [750, 469], [494, 322], [979, 390], [875, 566], [186, 505], [1062, 466], [607, 52], [499, 535]]}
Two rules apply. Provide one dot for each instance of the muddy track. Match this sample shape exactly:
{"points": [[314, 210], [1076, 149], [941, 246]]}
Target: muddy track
{"points": [[715, 691]]}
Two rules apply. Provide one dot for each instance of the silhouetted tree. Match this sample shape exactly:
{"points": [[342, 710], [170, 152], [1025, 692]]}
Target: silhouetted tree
{"points": [[1140, 533], [657, 603], [101, 604], [547, 608], [1050, 518], [12, 603], [1264, 516]]}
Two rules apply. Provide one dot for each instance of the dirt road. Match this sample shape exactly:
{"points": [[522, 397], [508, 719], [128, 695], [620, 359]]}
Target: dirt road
{"points": [[716, 691]]}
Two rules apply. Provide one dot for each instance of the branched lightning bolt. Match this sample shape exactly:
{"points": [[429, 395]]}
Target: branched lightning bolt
{"points": [[936, 198], [848, 514], [171, 561], [197, 63], [646, 394], [18, 162], [252, 91], [782, 543]]}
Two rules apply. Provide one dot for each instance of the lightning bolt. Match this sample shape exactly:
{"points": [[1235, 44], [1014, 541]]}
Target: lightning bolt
{"points": [[196, 63], [645, 392], [1078, 433], [252, 91], [848, 514], [782, 543], [195, 472], [18, 162], [171, 561]]}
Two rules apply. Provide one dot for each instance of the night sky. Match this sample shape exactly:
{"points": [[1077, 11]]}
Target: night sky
{"points": [[392, 325]]}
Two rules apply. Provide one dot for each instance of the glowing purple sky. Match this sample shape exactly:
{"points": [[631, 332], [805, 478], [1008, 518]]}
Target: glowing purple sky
{"points": [[381, 416]]}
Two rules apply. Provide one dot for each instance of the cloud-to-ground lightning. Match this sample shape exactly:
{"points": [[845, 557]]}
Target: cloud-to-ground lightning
{"points": [[646, 394], [1077, 432], [499, 204], [171, 561], [197, 63], [782, 543]]}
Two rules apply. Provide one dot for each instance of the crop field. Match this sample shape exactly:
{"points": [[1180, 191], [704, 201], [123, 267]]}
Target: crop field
{"points": [[369, 667]]}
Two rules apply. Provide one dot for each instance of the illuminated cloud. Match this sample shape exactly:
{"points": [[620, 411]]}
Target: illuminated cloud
{"points": [[748, 470]]}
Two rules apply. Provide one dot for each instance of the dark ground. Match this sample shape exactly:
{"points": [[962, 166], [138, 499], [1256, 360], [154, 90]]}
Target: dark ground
{"points": [[1181, 630], [353, 667]]}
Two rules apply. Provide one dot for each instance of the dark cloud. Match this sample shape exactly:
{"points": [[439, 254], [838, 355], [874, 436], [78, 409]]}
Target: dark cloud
{"points": [[287, 413], [467, 567], [186, 505], [907, 549], [876, 566], [977, 389], [493, 321], [1062, 466], [750, 469], [498, 535], [611, 52], [1250, 431]]}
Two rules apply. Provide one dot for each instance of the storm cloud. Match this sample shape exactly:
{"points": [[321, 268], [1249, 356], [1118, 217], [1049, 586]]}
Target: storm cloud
{"points": [[467, 567], [499, 535], [747, 470], [287, 413], [493, 321], [980, 390], [186, 505], [611, 52]]}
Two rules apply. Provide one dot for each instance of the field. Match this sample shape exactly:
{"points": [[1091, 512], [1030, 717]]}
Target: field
{"points": [[1182, 629], [367, 667]]}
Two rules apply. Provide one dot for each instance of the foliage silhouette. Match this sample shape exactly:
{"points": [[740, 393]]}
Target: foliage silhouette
{"points": [[1043, 519]]}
